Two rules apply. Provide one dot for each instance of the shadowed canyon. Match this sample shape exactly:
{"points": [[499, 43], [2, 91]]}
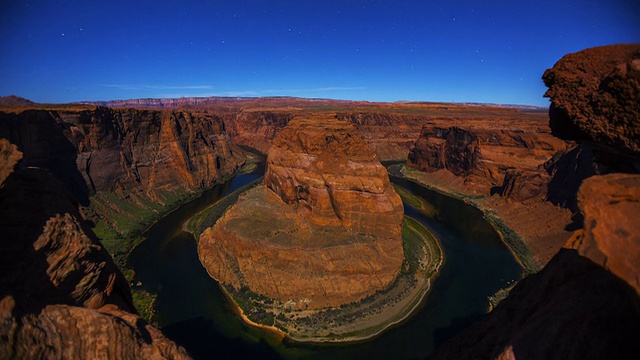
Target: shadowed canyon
{"points": [[330, 230]]}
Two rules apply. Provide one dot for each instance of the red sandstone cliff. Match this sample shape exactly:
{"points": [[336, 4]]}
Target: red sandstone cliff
{"points": [[585, 304], [139, 155], [486, 158], [594, 99], [61, 295], [327, 169]]}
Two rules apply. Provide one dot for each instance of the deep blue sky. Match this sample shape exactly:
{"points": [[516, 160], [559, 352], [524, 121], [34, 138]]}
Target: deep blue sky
{"points": [[463, 51]]}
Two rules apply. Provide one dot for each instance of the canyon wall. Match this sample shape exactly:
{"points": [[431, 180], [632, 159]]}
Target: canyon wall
{"points": [[591, 289], [61, 295], [488, 159], [147, 159]]}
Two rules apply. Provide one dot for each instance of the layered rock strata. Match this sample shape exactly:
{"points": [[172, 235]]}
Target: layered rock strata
{"points": [[592, 289], [143, 157], [325, 229], [61, 295], [327, 169], [488, 160]]}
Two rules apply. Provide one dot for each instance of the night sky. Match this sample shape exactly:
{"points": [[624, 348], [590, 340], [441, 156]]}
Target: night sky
{"points": [[462, 51]]}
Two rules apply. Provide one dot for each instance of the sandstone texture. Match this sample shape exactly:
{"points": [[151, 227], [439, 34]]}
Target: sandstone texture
{"points": [[257, 129], [590, 290], [123, 149], [594, 99], [144, 159], [488, 159], [9, 157], [327, 169], [389, 135], [325, 230], [611, 235], [61, 295]]}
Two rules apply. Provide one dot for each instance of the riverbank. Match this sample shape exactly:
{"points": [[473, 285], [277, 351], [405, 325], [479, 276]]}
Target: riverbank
{"points": [[352, 322], [120, 244], [130, 219], [533, 231]]}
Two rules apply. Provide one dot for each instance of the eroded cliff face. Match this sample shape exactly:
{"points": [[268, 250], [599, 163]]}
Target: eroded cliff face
{"points": [[611, 234], [142, 157], [389, 135], [508, 161], [257, 129], [61, 295], [591, 289], [325, 229], [328, 170]]}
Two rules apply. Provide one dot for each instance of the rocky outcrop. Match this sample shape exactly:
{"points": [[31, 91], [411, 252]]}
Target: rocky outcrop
{"points": [[389, 135], [9, 157], [594, 99], [117, 150], [257, 129], [143, 157], [327, 169], [454, 149], [488, 159], [325, 230], [61, 295], [611, 234], [591, 290], [572, 309], [71, 332]]}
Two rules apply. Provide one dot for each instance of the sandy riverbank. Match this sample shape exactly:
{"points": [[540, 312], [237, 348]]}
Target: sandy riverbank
{"points": [[538, 225], [361, 321]]}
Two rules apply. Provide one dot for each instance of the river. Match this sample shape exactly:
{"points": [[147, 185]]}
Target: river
{"points": [[192, 310]]}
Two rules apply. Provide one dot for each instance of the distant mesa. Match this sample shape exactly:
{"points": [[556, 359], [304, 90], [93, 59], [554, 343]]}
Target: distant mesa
{"points": [[12, 100], [324, 230]]}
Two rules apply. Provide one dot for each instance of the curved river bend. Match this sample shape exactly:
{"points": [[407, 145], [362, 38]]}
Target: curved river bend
{"points": [[192, 310]]}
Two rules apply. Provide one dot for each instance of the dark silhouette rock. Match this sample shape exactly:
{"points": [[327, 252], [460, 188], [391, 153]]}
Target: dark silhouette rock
{"points": [[61, 295], [572, 309]]}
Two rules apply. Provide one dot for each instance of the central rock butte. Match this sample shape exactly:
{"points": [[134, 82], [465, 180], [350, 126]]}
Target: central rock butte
{"points": [[324, 230]]}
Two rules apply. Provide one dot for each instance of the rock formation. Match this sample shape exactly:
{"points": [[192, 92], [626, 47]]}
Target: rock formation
{"points": [[389, 135], [488, 158], [591, 290], [454, 149], [257, 129], [572, 309], [142, 157], [325, 229], [611, 234], [328, 170], [61, 295], [594, 100]]}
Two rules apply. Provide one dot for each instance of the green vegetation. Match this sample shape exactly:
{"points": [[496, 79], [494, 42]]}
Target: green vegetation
{"points": [[144, 302], [422, 252], [500, 295], [408, 196], [514, 242], [129, 216], [121, 219], [423, 259]]}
